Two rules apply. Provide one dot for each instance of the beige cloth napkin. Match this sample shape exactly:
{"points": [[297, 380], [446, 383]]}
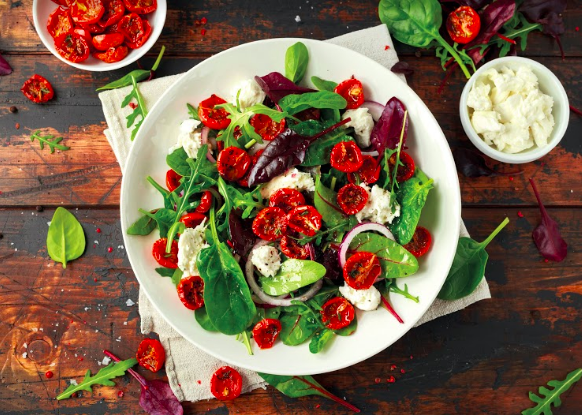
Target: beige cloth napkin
{"points": [[189, 369]]}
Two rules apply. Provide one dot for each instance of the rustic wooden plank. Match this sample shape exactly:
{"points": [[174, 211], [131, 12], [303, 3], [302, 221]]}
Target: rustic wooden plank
{"points": [[232, 23], [87, 174], [483, 359]]}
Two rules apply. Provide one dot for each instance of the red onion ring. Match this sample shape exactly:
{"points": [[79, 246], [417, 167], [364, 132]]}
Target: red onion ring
{"points": [[204, 140], [250, 274], [374, 108], [362, 227], [370, 153]]}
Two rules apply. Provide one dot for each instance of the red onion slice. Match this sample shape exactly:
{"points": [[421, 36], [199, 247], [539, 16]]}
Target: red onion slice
{"points": [[370, 153], [374, 108], [204, 140], [362, 227], [250, 274]]}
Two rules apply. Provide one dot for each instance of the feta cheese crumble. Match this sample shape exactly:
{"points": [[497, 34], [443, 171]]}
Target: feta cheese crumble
{"points": [[189, 137], [291, 179], [509, 110], [267, 260], [362, 123], [366, 300], [249, 93], [379, 207], [190, 244]]}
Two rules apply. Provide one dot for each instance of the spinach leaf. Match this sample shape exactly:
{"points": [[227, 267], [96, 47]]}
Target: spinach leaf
{"points": [[174, 274], [396, 262], [297, 386], [65, 240], [468, 267], [293, 274], [138, 75], [296, 60], [293, 104], [322, 84], [320, 340], [164, 218], [202, 318], [296, 328], [177, 161], [227, 296], [143, 226], [165, 272], [411, 196], [276, 86], [325, 203], [417, 23]]}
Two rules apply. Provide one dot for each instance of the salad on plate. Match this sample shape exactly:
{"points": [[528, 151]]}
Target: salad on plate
{"points": [[288, 208]]}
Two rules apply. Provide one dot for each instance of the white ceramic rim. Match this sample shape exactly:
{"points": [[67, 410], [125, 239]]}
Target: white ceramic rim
{"points": [[557, 92], [454, 206], [134, 54]]}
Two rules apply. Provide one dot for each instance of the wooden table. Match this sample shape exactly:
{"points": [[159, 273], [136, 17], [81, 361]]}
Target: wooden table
{"points": [[484, 359]]}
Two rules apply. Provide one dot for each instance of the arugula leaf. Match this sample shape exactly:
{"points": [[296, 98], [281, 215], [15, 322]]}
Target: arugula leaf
{"points": [[298, 386], [50, 140], [552, 397], [411, 196], [65, 240], [103, 377], [293, 274], [193, 112], [325, 203], [137, 74], [296, 60], [174, 274], [468, 267], [322, 84], [294, 104], [138, 111], [395, 260], [143, 226], [391, 286]]}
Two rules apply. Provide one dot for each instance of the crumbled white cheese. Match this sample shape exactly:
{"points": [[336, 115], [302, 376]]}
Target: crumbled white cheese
{"points": [[189, 137], [298, 19], [291, 179], [73, 382], [190, 244], [362, 123], [106, 360], [267, 260], [366, 300], [379, 208], [129, 302], [249, 93], [510, 111]]}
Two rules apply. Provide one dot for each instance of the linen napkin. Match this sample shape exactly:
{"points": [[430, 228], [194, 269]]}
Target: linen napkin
{"points": [[189, 369]]}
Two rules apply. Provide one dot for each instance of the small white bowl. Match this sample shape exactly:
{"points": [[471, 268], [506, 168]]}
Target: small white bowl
{"points": [[549, 84], [41, 9]]}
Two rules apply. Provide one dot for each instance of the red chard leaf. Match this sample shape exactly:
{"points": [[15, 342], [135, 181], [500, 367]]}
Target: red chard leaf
{"points": [[549, 14], [402, 68], [547, 235], [386, 132], [276, 86], [241, 234], [5, 68]]}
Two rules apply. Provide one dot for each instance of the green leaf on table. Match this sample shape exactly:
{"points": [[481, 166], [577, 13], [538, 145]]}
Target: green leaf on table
{"points": [[322, 84], [296, 103], [65, 240], [395, 260], [103, 377], [552, 397], [143, 226], [50, 140], [468, 266], [296, 60], [293, 274]]}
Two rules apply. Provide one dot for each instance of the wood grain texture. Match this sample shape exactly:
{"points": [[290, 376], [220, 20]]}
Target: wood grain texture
{"points": [[482, 360], [87, 175]]}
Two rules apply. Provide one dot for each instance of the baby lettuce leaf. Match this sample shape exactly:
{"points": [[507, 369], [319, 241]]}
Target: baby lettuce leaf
{"points": [[293, 104], [325, 203], [320, 340], [322, 84], [65, 240], [396, 261], [547, 235], [143, 226], [298, 386], [103, 377], [296, 60], [276, 86], [164, 218], [386, 132], [552, 397], [202, 318], [296, 328], [293, 274], [411, 196], [468, 267]]}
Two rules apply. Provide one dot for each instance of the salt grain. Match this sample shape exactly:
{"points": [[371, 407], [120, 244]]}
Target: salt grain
{"points": [[298, 19], [129, 303], [24, 355]]}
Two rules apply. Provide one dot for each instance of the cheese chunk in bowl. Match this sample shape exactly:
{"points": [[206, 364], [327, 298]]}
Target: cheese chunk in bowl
{"points": [[513, 110]]}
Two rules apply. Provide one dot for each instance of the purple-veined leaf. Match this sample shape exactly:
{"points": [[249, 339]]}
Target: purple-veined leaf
{"points": [[276, 86], [547, 235], [386, 132], [549, 14], [5, 68]]}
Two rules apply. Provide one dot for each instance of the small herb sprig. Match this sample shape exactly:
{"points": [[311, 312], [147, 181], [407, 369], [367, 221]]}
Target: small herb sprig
{"points": [[50, 140], [552, 397], [139, 109]]}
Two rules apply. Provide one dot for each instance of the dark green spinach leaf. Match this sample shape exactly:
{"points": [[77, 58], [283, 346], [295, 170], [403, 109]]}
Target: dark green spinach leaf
{"points": [[143, 226], [295, 103]]}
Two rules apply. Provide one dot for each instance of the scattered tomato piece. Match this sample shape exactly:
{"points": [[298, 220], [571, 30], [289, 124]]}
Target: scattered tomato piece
{"points": [[151, 355], [226, 384]]}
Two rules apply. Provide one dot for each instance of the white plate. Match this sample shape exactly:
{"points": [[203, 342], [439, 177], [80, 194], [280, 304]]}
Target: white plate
{"points": [[41, 9], [376, 330]]}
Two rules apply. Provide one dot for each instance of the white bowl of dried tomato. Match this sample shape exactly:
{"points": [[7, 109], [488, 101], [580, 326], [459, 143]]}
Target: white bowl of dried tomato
{"points": [[99, 35]]}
